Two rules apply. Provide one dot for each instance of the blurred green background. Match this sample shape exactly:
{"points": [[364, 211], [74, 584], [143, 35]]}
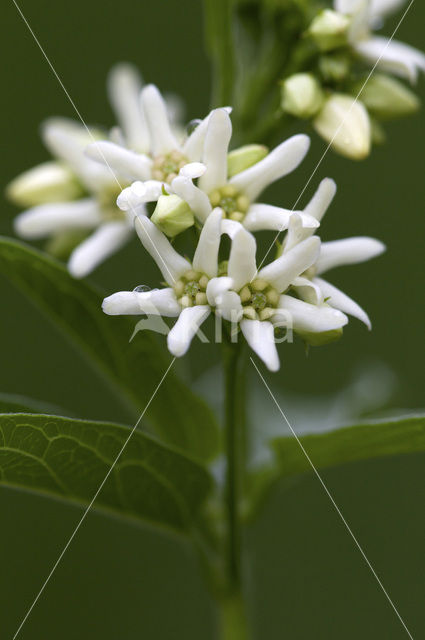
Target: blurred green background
{"points": [[305, 578]]}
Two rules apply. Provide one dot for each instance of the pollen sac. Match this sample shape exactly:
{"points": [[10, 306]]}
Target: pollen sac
{"points": [[190, 289], [259, 300], [166, 167], [232, 201]]}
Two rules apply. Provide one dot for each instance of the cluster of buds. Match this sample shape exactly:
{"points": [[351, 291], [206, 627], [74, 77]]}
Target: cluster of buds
{"points": [[345, 102]]}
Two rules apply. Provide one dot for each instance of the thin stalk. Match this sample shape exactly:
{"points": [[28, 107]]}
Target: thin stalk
{"points": [[219, 38]]}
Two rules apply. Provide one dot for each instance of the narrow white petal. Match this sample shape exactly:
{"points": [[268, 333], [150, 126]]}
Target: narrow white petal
{"points": [[266, 217], [296, 232], [321, 200], [229, 306], [308, 290], [105, 241], [281, 272], [281, 161], [193, 170], [183, 332], [155, 110], [347, 6], [197, 200], [124, 86], [138, 193], [206, 254], [158, 302], [216, 287], [216, 146], [242, 266], [339, 300], [44, 219], [230, 227], [394, 56], [260, 337], [194, 145], [309, 317], [123, 162], [347, 251], [381, 8], [171, 264]]}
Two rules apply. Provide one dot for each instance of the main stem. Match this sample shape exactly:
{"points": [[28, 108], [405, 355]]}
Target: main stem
{"points": [[233, 621]]}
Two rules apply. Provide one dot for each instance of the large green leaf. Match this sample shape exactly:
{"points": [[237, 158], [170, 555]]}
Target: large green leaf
{"points": [[134, 369], [349, 444], [69, 459]]}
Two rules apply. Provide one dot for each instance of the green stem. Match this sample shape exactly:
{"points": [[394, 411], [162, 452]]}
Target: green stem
{"points": [[233, 624], [219, 38]]}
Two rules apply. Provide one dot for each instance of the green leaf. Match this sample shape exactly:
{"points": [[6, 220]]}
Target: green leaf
{"points": [[350, 444], [133, 369], [69, 459], [14, 403]]}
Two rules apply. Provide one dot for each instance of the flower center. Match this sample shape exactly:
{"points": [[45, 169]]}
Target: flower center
{"points": [[166, 167], [259, 300], [233, 202], [190, 289]]}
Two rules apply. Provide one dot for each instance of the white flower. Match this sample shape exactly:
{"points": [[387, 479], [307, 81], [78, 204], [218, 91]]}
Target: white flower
{"points": [[394, 56], [76, 194], [236, 196], [312, 288]]}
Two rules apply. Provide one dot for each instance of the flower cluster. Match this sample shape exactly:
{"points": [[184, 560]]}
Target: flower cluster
{"points": [[331, 89]]}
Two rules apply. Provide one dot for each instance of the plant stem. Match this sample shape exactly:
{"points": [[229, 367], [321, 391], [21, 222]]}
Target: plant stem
{"points": [[219, 38], [233, 625]]}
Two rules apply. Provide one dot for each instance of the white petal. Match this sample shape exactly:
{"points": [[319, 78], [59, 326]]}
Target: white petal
{"points": [[216, 146], [381, 8], [229, 306], [193, 170], [194, 145], [44, 219], [105, 241], [339, 300], [266, 217], [197, 200], [242, 267], [260, 337], [158, 302], [347, 6], [281, 161], [139, 193], [155, 110], [296, 232], [347, 251], [124, 86], [206, 254], [394, 56], [321, 200], [309, 317], [122, 162], [230, 227], [216, 287], [308, 290], [281, 272], [171, 264], [183, 332]]}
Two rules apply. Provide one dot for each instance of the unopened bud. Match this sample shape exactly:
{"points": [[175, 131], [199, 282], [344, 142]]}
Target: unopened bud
{"points": [[329, 29], [172, 215], [334, 67], [244, 157], [302, 95], [388, 98], [345, 124], [48, 182]]}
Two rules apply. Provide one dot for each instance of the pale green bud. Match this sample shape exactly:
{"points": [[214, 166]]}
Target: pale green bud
{"points": [[302, 95], [344, 123], [388, 98], [48, 182], [319, 339], [329, 29], [334, 67], [172, 215], [244, 157]]}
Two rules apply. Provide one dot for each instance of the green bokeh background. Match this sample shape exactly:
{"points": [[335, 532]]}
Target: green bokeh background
{"points": [[305, 577]]}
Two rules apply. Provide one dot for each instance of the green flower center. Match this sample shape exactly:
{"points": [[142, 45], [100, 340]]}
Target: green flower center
{"points": [[259, 300], [166, 167], [190, 288], [233, 202]]}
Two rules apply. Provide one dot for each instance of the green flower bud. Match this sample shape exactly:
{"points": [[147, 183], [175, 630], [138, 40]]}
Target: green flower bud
{"points": [[244, 157], [319, 339], [344, 123], [334, 67], [302, 95], [329, 30], [48, 182], [172, 215], [388, 98]]}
